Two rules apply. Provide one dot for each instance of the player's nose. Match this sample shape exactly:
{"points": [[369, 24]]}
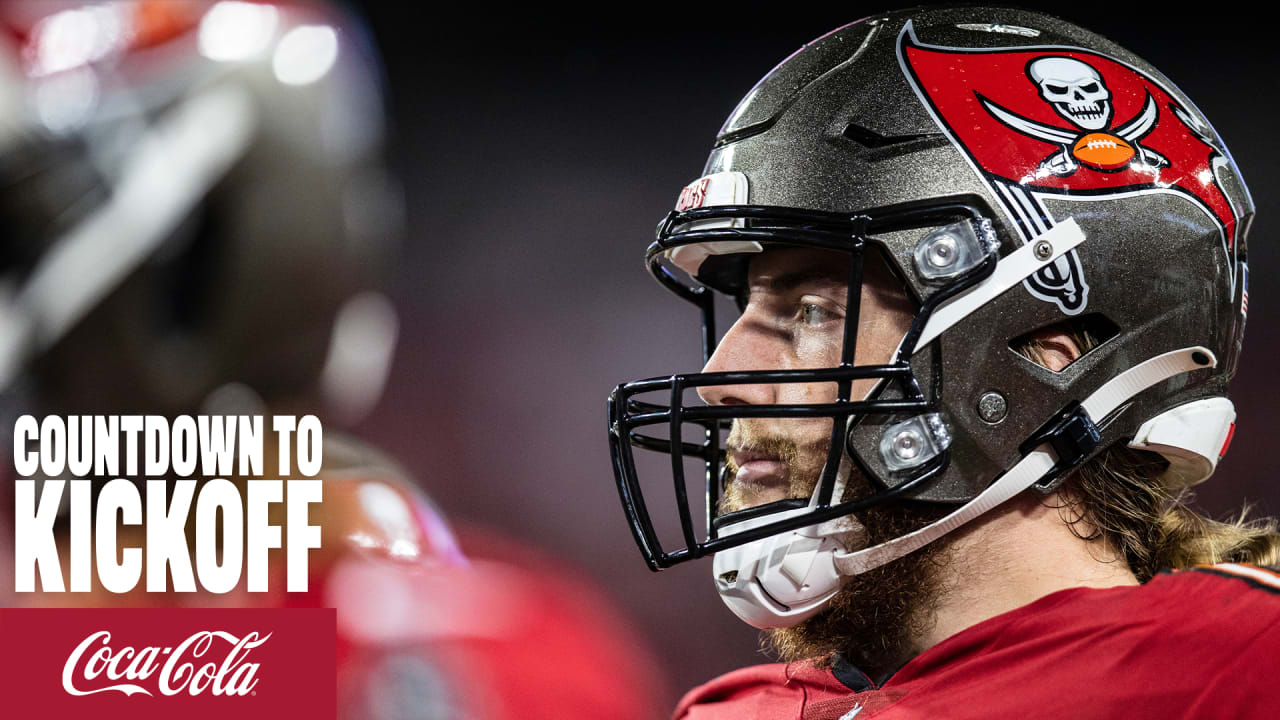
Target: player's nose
{"points": [[743, 347]]}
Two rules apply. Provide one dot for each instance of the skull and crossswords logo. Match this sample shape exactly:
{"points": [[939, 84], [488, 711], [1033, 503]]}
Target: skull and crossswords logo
{"points": [[1049, 125], [1078, 93]]}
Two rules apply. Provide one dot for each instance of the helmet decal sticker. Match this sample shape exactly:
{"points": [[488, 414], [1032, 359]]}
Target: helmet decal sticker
{"points": [[1068, 123], [693, 194], [1244, 290]]}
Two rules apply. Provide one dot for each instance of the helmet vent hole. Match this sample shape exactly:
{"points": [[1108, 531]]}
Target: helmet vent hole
{"points": [[1062, 344], [872, 139]]}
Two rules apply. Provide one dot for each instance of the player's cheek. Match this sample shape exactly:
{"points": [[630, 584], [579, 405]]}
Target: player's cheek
{"points": [[819, 347]]}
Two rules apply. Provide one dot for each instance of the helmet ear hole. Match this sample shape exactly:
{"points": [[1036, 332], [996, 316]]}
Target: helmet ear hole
{"points": [[1058, 346]]}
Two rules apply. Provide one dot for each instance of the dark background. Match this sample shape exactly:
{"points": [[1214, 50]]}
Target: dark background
{"points": [[540, 146]]}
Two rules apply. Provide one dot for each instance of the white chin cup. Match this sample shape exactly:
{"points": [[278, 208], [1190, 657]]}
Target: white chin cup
{"points": [[784, 579]]}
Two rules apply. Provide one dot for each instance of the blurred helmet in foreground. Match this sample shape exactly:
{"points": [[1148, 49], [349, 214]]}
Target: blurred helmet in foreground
{"points": [[193, 198]]}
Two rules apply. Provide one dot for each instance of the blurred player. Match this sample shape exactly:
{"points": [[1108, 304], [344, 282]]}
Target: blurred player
{"points": [[992, 281], [198, 220]]}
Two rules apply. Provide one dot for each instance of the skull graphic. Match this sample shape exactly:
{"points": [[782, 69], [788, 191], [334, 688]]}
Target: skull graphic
{"points": [[1074, 89]]}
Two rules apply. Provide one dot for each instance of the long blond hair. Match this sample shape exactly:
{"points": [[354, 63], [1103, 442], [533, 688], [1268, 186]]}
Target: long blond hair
{"points": [[1118, 497]]}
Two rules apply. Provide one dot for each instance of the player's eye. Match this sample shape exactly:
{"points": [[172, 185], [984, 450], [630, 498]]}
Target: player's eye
{"points": [[814, 314]]}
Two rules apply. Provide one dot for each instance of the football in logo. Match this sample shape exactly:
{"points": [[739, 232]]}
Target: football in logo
{"points": [[1103, 151]]}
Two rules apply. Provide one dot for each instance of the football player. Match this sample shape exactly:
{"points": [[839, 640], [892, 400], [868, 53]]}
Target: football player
{"points": [[991, 280]]}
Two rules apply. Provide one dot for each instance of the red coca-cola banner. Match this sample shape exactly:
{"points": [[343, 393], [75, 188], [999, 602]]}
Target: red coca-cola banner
{"points": [[166, 663]]}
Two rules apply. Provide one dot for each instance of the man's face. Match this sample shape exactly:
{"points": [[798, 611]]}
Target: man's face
{"points": [[794, 319]]}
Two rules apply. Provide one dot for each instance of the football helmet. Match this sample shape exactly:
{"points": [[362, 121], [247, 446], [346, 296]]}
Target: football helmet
{"points": [[1016, 173]]}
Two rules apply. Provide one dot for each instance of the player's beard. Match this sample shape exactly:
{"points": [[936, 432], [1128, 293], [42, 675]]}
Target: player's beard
{"points": [[876, 618]]}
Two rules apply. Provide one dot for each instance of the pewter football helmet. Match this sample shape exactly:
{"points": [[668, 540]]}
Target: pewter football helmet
{"points": [[1015, 172]]}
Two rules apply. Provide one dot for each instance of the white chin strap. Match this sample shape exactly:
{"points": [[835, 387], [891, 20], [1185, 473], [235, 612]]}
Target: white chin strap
{"points": [[781, 580]]}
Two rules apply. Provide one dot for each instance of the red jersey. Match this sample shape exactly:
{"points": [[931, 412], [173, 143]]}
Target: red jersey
{"points": [[1196, 644]]}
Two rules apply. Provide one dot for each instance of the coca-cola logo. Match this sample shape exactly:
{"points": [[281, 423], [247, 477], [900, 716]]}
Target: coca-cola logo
{"points": [[193, 666]]}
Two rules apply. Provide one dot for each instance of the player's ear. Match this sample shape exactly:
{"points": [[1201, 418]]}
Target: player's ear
{"points": [[1053, 347], [1056, 346]]}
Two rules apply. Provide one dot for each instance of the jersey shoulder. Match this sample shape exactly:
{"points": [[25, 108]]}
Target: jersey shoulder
{"points": [[764, 691], [1229, 612], [1266, 579], [1235, 590], [1226, 617]]}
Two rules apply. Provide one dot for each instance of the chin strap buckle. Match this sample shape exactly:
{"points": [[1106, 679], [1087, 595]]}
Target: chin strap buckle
{"points": [[1073, 436]]}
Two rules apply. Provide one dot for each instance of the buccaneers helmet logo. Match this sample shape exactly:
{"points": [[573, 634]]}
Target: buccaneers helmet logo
{"points": [[1079, 94], [1066, 123]]}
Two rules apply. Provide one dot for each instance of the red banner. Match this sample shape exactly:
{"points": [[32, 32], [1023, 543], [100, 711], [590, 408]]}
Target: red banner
{"points": [[166, 663]]}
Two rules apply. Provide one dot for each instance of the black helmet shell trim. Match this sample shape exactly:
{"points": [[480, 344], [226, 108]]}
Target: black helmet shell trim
{"points": [[843, 151]]}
